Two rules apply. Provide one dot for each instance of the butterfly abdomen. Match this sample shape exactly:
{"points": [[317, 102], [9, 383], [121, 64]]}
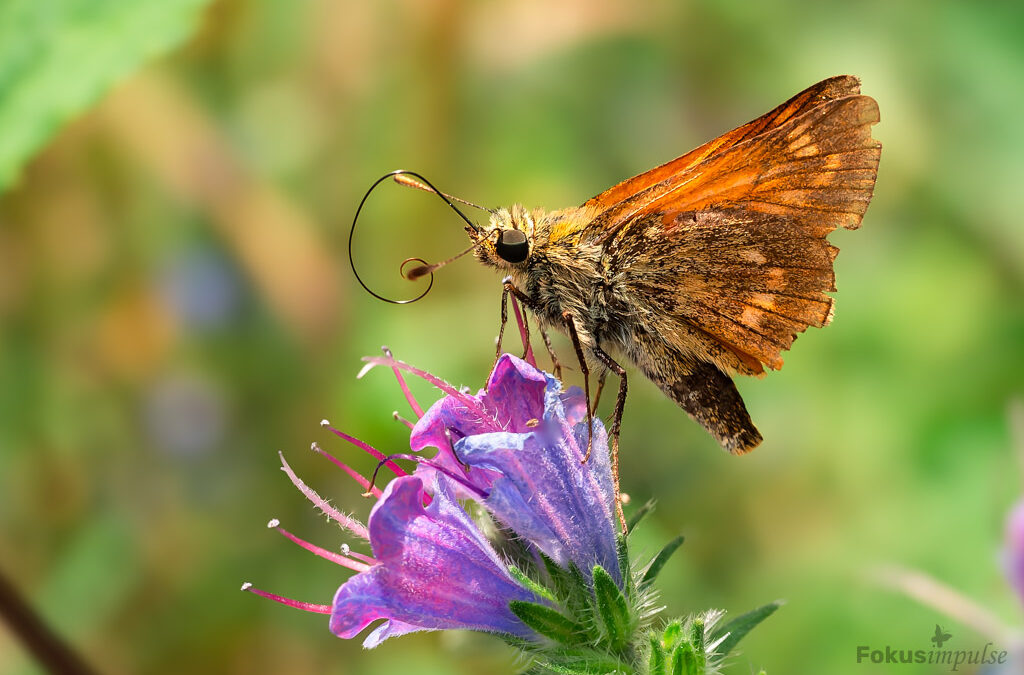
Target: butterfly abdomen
{"points": [[696, 385]]}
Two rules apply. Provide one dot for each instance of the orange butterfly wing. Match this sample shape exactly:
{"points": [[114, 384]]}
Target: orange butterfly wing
{"points": [[626, 192], [742, 221]]}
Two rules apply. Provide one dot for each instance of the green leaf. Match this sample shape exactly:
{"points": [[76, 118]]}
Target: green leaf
{"points": [[640, 514], [659, 561], [612, 609], [622, 553], [581, 669], [657, 661], [582, 662], [57, 57], [548, 622], [736, 629]]}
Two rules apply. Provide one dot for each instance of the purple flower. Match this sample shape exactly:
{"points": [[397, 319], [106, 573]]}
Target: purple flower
{"points": [[1013, 553], [516, 447], [521, 442]]}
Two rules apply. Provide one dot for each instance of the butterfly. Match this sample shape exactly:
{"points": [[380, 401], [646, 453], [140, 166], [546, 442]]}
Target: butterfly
{"points": [[705, 267]]}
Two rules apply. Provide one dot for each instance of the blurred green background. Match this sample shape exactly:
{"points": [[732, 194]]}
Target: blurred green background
{"points": [[176, 306]]}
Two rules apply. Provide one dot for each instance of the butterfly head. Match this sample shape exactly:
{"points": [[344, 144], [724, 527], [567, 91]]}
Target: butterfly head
{"points": [[507, 241]]}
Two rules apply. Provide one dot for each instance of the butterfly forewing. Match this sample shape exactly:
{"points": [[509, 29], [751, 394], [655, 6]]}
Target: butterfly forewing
{"points": [[818, 168], [615, 206], [734, 242]]}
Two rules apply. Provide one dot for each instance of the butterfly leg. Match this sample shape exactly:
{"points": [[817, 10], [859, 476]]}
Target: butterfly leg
{"points": [[501, 328], [508, 288], [600, 387], [620, 404], [570, 324], [556, 365]]}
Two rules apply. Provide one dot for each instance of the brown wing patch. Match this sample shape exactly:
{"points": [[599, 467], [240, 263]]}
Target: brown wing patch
{"points": [[827, 90], [750, 282]]}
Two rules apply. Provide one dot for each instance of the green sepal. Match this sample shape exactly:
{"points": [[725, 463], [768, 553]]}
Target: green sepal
{"points": [[697, 636], [612, 609], [548, 622], [684, 661], [657, 661], [640, 514], [530, 584], [672, 634], [570, 587], [737, 628], [566, 582], [659, 561]]}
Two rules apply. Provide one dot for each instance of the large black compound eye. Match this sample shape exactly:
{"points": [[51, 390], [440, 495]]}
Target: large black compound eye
{"points": [[512, 246]]}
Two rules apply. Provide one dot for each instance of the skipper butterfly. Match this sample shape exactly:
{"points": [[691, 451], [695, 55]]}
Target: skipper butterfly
{"points": [[702, 268]]}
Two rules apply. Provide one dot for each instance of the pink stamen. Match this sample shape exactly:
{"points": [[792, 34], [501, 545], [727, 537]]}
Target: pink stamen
{"points": [[347, 522], [529, 358], [356, 476], [399, 418], [436, 381], [337, 558], [405, 388], [399, 471], [362, 556], [304, 606], [347, 550]]}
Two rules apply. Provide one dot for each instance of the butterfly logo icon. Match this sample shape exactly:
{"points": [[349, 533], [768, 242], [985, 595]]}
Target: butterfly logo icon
{"points": [[940, 636]]}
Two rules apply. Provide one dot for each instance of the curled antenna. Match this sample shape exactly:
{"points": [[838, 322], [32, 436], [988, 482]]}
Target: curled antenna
{"points": [[423, 268]]}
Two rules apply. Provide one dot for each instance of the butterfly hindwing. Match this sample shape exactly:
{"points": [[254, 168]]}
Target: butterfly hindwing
{"points": [[752, 281]]}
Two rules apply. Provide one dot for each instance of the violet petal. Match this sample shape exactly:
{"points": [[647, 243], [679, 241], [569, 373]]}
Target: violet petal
{"points": [[436, 570]]}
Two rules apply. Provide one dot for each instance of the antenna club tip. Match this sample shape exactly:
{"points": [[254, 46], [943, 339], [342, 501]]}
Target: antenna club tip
{"points": [[417, 272]]}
